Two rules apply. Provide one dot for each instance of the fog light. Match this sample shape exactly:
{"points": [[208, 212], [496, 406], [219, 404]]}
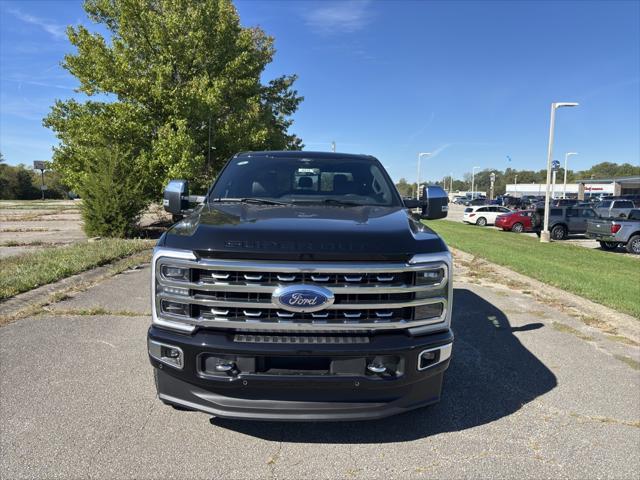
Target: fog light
{"points": [[175, 273], [167, 354], [433, 356], [225, 366]]}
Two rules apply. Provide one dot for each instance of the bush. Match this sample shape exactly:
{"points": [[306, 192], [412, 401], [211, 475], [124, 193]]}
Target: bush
{"points": [[112, 198]]}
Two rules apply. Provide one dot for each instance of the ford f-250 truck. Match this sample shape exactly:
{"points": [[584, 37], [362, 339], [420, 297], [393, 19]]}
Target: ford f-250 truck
{"points": [[615, 232], [302, 288]]}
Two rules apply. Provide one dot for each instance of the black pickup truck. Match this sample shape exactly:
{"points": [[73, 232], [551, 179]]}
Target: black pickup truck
{"points": [[302, 287]]}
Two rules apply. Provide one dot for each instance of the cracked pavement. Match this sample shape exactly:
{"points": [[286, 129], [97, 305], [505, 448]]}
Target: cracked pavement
{"points": [[522, 398]]}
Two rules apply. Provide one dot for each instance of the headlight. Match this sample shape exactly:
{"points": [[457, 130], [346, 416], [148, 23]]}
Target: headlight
{"points": [[179, 274], [430, 277]]}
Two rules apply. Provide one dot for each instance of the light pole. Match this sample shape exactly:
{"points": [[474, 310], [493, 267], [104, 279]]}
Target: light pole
{"points": [[566, 157], [544, 235], [451, 183], [473, 182], [426, 154]]}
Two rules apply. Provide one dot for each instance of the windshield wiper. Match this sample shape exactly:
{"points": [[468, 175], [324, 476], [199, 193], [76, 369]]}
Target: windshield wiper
{"points": [[257, 201], [333, 201]]}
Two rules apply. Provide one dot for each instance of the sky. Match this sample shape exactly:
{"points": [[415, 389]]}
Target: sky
{"points": [[469, 81]]}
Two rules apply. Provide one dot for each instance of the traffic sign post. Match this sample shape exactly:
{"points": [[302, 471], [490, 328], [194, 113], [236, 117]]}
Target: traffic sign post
{"points": [[42, 166]]}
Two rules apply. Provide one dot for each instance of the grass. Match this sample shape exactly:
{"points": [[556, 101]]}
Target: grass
{"points": [[603, 277], [24, 272]]}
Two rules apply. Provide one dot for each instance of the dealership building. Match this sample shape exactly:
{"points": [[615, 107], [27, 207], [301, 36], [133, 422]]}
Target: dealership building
{"points": [[581, 189]]}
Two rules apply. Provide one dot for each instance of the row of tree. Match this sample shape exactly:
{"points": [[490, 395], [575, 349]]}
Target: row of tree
{"points": [[18, 182], [174, 89], [482, 180]]}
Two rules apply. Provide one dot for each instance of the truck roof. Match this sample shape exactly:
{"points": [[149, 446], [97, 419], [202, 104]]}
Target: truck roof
{"points": [[303, 154]]}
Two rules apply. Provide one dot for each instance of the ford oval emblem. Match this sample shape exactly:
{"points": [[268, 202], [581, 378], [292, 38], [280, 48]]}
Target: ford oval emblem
{"points": [[302, 298]]}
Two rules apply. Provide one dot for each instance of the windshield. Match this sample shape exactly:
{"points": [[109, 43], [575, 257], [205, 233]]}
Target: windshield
{"points": [[349, 181]]}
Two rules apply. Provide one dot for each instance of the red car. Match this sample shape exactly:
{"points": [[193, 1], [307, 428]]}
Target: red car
{"points": [[516, 222]]}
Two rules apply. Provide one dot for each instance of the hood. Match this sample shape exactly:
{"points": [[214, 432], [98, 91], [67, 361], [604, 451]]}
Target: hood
{"points": [[310, 232]]}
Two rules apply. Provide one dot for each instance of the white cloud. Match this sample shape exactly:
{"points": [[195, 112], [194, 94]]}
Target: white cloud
{"points": [[345, 16], [54, 29]]}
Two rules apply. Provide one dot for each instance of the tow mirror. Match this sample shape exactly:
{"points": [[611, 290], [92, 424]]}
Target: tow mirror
{"points": [[176, 197], [435, 204]]}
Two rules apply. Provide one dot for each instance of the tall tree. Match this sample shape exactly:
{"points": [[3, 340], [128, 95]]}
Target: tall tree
{"points": [[176, 85]]}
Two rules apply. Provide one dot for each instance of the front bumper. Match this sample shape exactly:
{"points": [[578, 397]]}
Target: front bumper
{"points": [[287, 394]]}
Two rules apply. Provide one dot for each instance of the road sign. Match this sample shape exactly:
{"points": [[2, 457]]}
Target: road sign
{"points": [[39, 165], [555, 165]]}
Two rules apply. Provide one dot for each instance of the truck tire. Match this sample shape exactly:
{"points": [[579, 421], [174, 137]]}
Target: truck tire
{"points": [[633, 245], [517, 228], [608, 245], [482, 222], [559, 232]]}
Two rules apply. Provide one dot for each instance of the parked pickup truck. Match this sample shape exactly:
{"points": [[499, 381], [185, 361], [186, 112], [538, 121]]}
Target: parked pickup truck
{"points": [[617, 232], [302, 288], [614, 208]]}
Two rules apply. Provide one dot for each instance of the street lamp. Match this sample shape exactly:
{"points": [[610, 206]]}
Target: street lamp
{"points": [[544, 235], [473, 182], [426, 154], [566, 157]]}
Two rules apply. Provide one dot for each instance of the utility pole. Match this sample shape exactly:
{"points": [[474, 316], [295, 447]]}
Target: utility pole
{"points": [[544, 235], [566, 157], [418, 177], [333, 146]]}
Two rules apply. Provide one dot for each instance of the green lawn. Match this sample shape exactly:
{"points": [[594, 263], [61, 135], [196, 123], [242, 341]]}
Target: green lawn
{"points": [[607, 278], [49, 264]]}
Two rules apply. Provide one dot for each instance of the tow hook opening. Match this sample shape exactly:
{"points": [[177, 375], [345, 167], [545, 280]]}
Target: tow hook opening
{"points": [[433, 356]]}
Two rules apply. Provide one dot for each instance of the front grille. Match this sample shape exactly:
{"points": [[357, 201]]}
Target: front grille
{"points": [[238, 295]]}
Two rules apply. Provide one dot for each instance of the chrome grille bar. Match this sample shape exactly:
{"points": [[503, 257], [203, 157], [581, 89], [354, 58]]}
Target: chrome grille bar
{"points": [[237, 294]]}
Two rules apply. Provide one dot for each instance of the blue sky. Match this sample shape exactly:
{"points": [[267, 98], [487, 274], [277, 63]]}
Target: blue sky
{"points": [[471, 81]]}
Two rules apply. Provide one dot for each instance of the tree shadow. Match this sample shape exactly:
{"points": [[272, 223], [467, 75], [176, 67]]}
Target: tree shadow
{"points": [[491, 375]]}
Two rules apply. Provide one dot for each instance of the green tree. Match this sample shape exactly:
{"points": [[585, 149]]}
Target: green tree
{"points": [[184, 92]]}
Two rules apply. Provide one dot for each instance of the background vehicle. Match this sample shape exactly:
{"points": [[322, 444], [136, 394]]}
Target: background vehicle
{"points": [[564, 202], [476, 201], [483, 215], [617, 232], [614, 208], [267, 299], [563, 221], [517, 222]]}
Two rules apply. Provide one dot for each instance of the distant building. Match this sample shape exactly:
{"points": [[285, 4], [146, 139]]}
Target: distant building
{"points": [[615, 186], [573, 189]]}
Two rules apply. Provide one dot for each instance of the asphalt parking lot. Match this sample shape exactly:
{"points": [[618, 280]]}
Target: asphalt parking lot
{"points": [[526, 395]]}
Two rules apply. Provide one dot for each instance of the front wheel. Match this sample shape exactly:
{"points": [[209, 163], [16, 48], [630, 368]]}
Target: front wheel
{"points": [[482, 222], [517, 228], [633, 245], [559, 232], [608, 245]]}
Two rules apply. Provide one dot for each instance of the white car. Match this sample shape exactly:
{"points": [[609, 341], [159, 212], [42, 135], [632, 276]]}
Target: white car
{"points": [[483, 214]]}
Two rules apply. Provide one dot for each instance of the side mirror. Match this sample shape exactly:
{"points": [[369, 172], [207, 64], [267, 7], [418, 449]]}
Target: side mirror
{"points": [[436, 203], [176, 197], [411, 203]]}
